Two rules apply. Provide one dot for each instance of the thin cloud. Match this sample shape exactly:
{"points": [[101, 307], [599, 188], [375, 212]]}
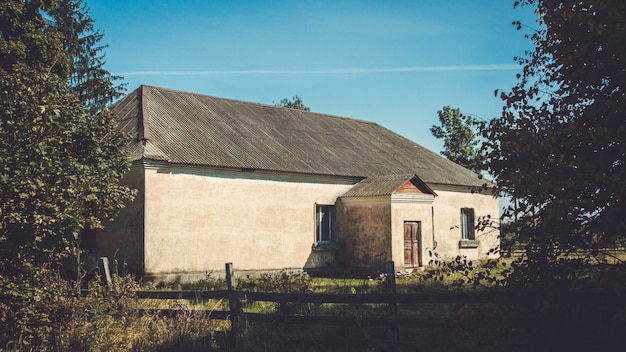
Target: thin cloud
{"points": [[357, 70]]}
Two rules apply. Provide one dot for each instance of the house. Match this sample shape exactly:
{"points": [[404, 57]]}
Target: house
{"points": [[269, 188]]}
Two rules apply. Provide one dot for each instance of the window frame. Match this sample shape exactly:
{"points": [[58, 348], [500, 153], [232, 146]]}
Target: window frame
{"points": [[329, 236], [468, 224]]}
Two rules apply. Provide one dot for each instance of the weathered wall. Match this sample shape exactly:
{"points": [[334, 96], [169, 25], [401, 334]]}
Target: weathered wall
{"points": [[373, 227], [447, 217], [122, 240], [192, 220], [411, 211], [365, 231], [197, 219]]}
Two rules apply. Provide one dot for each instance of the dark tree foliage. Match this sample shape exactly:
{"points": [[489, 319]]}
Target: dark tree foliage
{"points": [[558, 148], [59, 167], [460, 143], [294, 103], [88, 79]]}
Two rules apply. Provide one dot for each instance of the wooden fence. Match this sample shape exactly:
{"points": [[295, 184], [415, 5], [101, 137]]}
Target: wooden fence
{"points": [[391, 299], [498, 316]]}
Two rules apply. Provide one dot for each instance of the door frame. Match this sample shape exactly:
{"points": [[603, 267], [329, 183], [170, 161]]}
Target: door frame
{"points": [[414, 243]]}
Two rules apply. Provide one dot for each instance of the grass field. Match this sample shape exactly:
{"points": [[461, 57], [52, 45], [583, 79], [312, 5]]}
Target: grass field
{"points": [[110, 320]]}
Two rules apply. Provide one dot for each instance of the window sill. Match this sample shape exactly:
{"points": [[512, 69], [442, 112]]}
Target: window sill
{"points": [[469, 243], [325, 246]]}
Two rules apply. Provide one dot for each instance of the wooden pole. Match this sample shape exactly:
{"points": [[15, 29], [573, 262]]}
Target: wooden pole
{"points": [[390, 272], [234, 304], [104, 263], [391, 285]]}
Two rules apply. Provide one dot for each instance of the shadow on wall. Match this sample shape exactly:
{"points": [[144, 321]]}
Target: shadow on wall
{"points": [[323, 255], [328, 260]]}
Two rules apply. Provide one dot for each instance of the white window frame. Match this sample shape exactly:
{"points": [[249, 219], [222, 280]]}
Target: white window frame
{"points": [[325, 231], [467, 224]]}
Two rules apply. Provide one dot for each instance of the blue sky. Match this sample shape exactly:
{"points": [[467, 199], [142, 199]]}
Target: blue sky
{"points": [[392, 62]]}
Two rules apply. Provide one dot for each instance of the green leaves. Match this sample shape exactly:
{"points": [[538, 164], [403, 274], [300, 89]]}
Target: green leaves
{"points": [[557, 150], [294, 103], [460, 140], [60, 167]]}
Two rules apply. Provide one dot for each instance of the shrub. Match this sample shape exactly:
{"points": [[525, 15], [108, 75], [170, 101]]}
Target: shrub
{"points": [[103, 319], [461, 273]]}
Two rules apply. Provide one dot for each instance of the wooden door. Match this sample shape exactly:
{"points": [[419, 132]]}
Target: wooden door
{"points": [[412, 238]]}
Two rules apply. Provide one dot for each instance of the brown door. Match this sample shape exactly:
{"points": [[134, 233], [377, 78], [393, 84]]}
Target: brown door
{"points": [[412, 237]]}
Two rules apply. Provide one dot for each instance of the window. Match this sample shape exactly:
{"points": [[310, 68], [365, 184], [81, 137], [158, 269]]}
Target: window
{"points": [[467, 223], [325, 223]]}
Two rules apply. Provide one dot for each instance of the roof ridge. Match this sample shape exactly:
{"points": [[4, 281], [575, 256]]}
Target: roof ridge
{"points": [[143, 133]]}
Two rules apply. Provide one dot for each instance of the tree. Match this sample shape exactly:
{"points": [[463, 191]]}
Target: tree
{"points": [[294, 103], [59, 166], [88, 79], [558, 147], [460, 140]]}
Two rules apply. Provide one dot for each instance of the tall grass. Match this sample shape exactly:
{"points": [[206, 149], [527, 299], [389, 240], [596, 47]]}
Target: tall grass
{"points": [[109, 319]]}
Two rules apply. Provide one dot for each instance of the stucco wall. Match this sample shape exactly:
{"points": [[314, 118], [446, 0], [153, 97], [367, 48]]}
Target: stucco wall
{"points": [[375, 225], [447, 217], [365, 231], [197, 219], [122, 240], [192, 220], [407, 211]]}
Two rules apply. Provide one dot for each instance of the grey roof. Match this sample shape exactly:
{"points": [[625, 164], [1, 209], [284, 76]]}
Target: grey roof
{"points": [[188, 128], [385, 185]]}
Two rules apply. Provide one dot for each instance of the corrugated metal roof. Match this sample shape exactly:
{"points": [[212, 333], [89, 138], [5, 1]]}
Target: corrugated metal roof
{"points": [[188, 128], [385, 185], [378, 186]]}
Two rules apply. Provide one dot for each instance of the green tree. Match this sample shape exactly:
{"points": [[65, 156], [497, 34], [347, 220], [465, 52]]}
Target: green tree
{"points": [[59, 167], [558, 147], [460, 142], [294, 103], [88, 79]]}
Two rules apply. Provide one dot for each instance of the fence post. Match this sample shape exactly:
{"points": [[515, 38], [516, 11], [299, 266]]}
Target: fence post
{"points": [[391, 285], [236, 318], [104, 263], [390, 273]]}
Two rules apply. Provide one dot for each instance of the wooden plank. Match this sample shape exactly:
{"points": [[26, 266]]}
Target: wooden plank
{"points": [[182, 294], [170, 313], [383, 298], [369, 321]]}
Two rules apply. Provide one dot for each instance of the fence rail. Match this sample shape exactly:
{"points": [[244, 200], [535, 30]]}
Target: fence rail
{"points": [[524, 312], [391, 318], [381, 298], [448, 310]]}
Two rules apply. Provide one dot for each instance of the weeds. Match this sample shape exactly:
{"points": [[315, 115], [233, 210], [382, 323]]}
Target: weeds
{"points": [[462, 274], [108, 319]]}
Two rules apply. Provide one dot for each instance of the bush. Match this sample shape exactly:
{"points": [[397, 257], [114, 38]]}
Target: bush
{"points": [[103, 319], [282, 282], [461, 273]]}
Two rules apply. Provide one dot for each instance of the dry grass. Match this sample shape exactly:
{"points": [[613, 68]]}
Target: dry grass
{"points": [[110, 320]]}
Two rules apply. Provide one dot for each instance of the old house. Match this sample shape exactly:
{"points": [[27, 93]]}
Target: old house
{"points": [[267, 188]]}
